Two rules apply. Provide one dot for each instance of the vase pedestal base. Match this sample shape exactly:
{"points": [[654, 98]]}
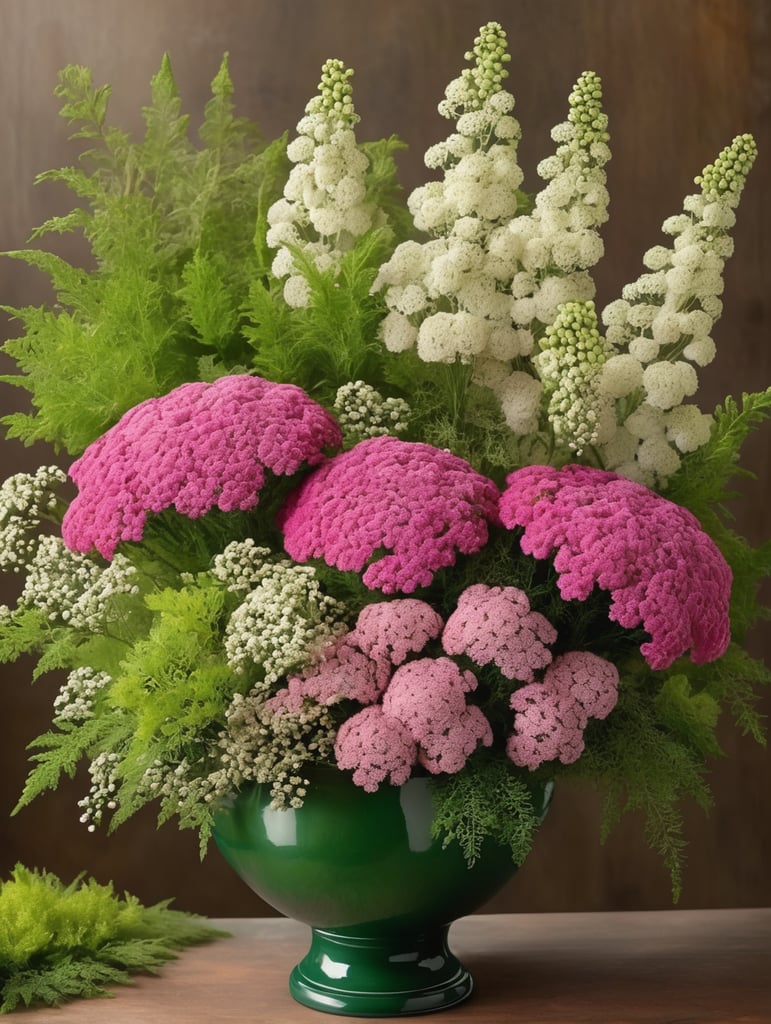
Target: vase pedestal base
{"points": [[379, 976]]}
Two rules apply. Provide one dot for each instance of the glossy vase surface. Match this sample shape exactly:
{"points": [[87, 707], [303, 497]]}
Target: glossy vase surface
{"points": [[378, 891]]}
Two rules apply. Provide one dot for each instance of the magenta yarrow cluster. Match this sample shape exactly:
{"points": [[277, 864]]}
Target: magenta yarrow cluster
{"points": [[662, 571], [421, 504], [415, 708], [202, 446]]}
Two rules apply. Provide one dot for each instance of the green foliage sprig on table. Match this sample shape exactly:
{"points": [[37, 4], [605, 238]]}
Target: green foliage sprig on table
{"points": [[462, 319], [60, 942]]}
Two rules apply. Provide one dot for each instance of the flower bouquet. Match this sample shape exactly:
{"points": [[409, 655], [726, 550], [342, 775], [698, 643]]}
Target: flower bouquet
{"points": [[374, 484]]}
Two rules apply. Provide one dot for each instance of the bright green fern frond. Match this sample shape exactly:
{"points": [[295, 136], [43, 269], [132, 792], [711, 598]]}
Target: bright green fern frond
{"points": [[65, 942]]}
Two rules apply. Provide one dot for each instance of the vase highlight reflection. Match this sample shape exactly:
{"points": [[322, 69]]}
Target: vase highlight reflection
{"points": [[378, 891]]}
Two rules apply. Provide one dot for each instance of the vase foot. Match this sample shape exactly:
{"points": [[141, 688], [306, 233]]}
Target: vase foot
{"points": [[384, 976]]}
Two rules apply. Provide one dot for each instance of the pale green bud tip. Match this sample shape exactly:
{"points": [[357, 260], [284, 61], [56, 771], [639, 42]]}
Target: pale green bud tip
{"points": [[490, 53], [726, 176], [575, 320], [586, 108], [336, 91]]}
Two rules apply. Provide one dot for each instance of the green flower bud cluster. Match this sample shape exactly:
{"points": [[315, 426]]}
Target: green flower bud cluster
{"points": [[586, 114], [724, 179], [477, 84], [335, 96], [572, 355]]}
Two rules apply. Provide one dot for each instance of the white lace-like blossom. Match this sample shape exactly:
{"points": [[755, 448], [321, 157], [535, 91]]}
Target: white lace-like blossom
{"points": [[25, 499], [102, 796], [559, 241], [242, 565], [74, 588], [75, 699], [363, 412], [272, 746], [325, 207], [281, 621], [484, 287], [665, 318], [478, 193]]}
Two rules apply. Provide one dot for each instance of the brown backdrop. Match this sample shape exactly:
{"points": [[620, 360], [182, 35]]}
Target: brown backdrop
{"points": [[681, 78]]}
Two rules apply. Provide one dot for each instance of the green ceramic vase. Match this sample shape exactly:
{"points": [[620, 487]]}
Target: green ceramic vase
{"points": [[378, 892]]}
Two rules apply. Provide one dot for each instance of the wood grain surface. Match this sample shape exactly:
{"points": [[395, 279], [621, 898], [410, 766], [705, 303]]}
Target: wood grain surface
{"points": [[665, 967], [681, 78]]}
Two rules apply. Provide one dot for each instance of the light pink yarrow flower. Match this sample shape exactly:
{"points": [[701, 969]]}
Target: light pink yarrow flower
{"points": [[428, 696], [587, 678], [199, 447], [343, 672], [550, 716], [495, 624], [391, 630], [376, 747], [546, 728], [422, 504], [662, 570]]}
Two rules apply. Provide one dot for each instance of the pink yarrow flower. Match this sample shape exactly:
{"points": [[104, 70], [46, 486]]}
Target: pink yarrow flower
{"points": [[343, 672], [421, 504], [376, 747], [661, 569], [546, 728], [495, 624], [199, 447], [428, 696], [392, 630], [550, 716]]}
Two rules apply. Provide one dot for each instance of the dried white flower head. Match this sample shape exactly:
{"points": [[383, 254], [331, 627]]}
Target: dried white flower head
{"points": [[73, 588], [75, 700], [270, 745]]}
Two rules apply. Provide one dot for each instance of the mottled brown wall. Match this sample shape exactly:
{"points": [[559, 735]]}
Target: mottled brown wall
{"points": [[681, 78]]}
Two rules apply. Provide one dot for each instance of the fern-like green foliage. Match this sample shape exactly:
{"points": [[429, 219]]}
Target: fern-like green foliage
{"points": [[702, 485], [332, 341], [488, 800], [61, 942], [180, 286], [170, 226]]}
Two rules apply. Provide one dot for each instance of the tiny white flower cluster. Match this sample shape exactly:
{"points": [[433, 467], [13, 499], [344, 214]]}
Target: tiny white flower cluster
{"points": [[242, 565], [482, 290], [558, 242], [363, 412], [281, 621], [182, 784], [664, 320], [270, 746], [75, 700], [101, 796], [74, 588], [324, 208], [25, 498], [449, 296], [570, 361]]}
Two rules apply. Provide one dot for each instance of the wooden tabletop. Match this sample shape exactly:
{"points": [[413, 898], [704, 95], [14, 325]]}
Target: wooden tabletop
{"points": [[658, 967]]}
